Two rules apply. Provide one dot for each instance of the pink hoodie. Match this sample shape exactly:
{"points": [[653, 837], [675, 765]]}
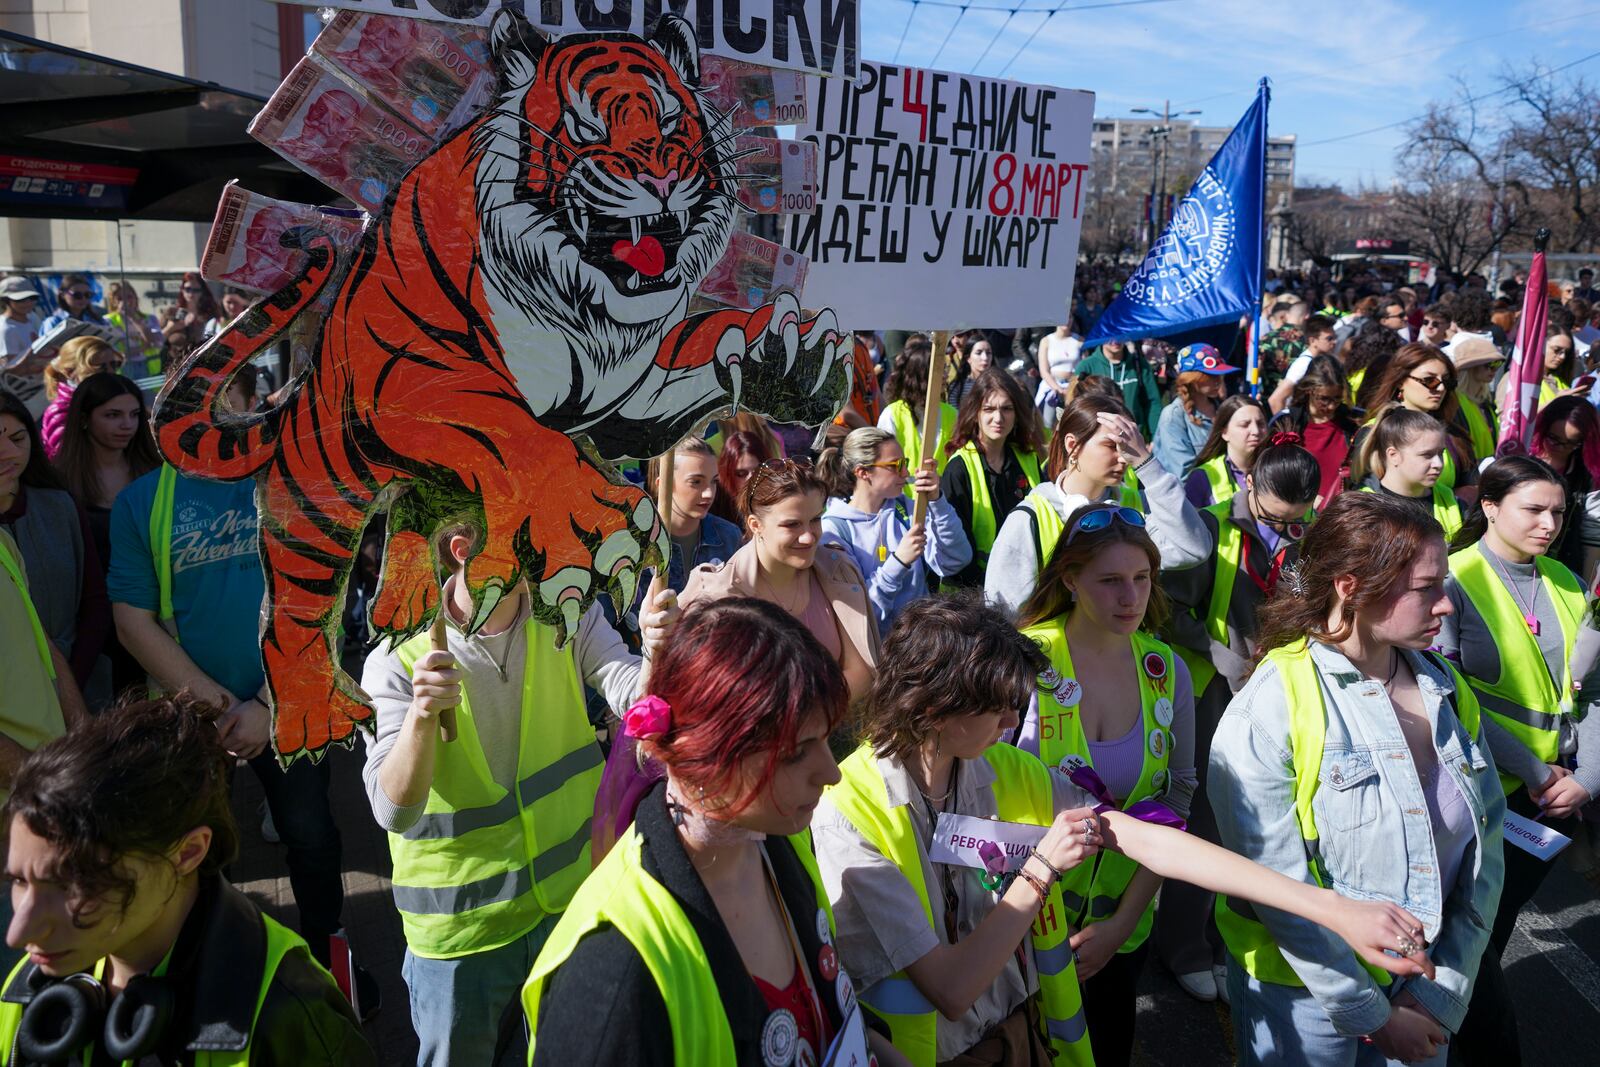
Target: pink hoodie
{"points": [[53, 423]]}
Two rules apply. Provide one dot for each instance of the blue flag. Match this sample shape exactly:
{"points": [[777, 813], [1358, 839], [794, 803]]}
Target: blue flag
{"points": [[1206, 267]]}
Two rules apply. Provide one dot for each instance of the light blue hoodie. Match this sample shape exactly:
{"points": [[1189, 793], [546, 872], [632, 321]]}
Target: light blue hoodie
{"points": [[872, 539]]}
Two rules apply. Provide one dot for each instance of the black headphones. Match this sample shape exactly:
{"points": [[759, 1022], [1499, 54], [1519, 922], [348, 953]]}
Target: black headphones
{"points": [[66, 1015]]}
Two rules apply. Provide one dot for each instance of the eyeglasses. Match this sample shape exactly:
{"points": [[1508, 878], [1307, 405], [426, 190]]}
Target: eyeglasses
{"points": [[193, 289], [78, 294], [107, 364], [1100, 518], [1431, 382], [1564, 444], [1558, 351], [900, 465], [1326, 399], [1294, 528], [1396, 315], [1437, 324]]}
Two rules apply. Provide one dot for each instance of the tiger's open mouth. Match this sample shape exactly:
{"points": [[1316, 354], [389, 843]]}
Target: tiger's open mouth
{"points": [[637, 253]]}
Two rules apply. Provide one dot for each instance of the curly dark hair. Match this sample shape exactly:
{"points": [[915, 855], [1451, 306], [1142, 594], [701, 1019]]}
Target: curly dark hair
{"points": [[947, 655], [131, 781]]}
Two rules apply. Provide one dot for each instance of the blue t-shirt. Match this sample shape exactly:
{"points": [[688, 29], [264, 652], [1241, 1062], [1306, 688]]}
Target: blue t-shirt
{"points": [[217, 583]]}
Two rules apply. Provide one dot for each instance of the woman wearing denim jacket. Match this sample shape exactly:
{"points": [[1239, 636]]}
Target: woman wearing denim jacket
{"points": [[1386, 791]]}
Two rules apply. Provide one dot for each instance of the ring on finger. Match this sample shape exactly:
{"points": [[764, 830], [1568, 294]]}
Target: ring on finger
{"points": [[1407, 946], [1088, 828]]}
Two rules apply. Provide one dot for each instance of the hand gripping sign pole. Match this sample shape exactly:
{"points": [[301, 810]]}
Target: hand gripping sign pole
{"points": [[664, 490], [931, 406], [438, 638]]}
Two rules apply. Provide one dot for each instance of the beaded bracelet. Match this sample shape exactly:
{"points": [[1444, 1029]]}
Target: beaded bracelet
{"points": [[1036, 854], [1037, 884]]}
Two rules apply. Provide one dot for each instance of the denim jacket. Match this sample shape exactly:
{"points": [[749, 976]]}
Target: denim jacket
{"points": [[1376, 835]]}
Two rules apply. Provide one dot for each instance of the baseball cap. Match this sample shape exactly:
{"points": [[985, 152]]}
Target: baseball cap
{"points": [[1203, 358], [16, 287]]}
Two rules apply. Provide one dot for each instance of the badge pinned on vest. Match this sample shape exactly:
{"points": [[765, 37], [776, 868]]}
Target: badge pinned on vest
{"points": [[1155, 668], [846, 994], [1072, 762], [1158, 743], [828, 963], [779, 1037], [1158, 783], [1163, 712], [824, 934]]}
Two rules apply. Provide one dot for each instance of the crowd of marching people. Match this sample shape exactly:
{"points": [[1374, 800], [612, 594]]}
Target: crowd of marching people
{"points": [[929, 741]]}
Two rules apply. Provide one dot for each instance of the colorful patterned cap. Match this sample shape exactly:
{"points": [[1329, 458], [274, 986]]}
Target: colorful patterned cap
{"points": [[1202, 358]]}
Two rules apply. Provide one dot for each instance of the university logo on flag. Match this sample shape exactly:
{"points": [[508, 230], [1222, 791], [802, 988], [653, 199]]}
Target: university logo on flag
{"points": [[1206, 266]]}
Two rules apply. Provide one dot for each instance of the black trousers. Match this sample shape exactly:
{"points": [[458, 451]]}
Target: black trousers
{"points": [[1111, 1004], [1489, 1033]]}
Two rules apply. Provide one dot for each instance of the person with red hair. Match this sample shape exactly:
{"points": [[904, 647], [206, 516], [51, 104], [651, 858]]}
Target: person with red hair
{"points": [[705, 937], [742, 453]]}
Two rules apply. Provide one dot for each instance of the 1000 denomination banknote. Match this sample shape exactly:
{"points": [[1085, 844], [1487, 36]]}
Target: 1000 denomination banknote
{"points": [[338, 135], [432, 74], [775, 176], [753, 95], [246, 247], [749, 273]]}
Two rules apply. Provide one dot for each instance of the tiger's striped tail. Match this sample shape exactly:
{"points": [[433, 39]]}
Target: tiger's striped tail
{"points": [[194, 434]]}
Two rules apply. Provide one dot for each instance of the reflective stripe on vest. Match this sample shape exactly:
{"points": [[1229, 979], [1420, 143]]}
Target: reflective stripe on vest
{"points": [[1478, 429], [984, 526], [1023, 794], [161, 510], [910, 437], [482, 866], [1247, 939], [622, 894], [1093, 891], [280, 942], [1446, 508], [1220, 477], [13, 567], [1524, 700]]}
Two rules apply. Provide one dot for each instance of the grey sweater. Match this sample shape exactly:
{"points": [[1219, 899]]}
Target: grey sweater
{"points": [[1465, 639], [1173, 523], [602, 660]]}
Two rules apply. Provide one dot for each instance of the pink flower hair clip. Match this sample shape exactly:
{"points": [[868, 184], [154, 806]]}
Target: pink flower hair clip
{"points": [[647, 718]]}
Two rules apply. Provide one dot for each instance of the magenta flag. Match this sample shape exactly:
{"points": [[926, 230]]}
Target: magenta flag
{"points": [[1527, 361]]}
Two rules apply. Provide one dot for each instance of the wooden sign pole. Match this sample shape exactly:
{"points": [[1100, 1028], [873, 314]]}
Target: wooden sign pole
{"points": [[931, 405]]}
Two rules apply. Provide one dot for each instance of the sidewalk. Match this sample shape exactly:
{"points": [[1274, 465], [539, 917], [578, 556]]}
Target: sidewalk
{"points": [[369, 915]]}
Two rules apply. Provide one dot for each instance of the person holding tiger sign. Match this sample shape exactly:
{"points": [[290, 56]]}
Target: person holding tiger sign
{"points": [[981, 969], [507, 804]]}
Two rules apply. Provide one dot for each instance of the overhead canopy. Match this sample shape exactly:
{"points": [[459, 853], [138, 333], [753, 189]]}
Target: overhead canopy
{"points": [[87, 137]]}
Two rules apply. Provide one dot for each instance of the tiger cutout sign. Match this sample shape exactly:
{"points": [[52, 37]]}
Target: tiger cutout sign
{"points": [[514, 319]]}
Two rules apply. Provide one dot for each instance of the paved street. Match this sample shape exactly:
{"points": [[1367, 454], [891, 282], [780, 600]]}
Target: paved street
{"points": [[1551, 962]]}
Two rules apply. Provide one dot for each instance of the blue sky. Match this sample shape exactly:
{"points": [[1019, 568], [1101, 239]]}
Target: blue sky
{"points": [[1337, 69]]}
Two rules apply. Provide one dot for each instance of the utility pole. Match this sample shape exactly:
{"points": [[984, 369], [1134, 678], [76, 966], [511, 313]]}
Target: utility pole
{"points": [[1163, 134]]}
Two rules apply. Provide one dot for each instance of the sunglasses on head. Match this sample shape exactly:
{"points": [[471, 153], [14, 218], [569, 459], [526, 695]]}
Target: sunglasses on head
{"points": [[1100, 518], [780, 466]]}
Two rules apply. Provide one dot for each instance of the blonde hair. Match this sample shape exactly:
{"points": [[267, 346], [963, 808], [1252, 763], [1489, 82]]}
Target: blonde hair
{"points": [[72, 362], [689, 446], [838, 466]]}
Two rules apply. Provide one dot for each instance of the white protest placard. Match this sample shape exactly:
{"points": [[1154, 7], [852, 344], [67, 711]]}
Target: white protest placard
{"points": [[817, 36], [1534, 838], [944, 200], [849, 1048], [968, 841]]}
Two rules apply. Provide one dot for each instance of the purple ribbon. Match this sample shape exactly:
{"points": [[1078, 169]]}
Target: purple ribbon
{"points": [[1152, 811]]}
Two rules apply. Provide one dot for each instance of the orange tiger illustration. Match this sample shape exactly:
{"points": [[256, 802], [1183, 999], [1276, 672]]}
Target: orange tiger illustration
{"points": [[514, 317]]}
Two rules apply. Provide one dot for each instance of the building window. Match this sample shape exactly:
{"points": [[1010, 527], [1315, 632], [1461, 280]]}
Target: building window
{"points": [[297, 27]]}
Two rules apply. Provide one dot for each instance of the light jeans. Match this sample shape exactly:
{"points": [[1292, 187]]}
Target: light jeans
{"points": [[456, 1004], [1283, 1026]]}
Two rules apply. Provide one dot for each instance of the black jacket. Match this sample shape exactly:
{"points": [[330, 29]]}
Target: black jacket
{"points": [[216, 969], [602, 1006]]}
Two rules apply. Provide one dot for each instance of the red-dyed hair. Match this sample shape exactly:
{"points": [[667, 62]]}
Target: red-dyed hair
{"points": [[1570, 409], [742, 676], [768, 488], [735, 446], [207, 305]]}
